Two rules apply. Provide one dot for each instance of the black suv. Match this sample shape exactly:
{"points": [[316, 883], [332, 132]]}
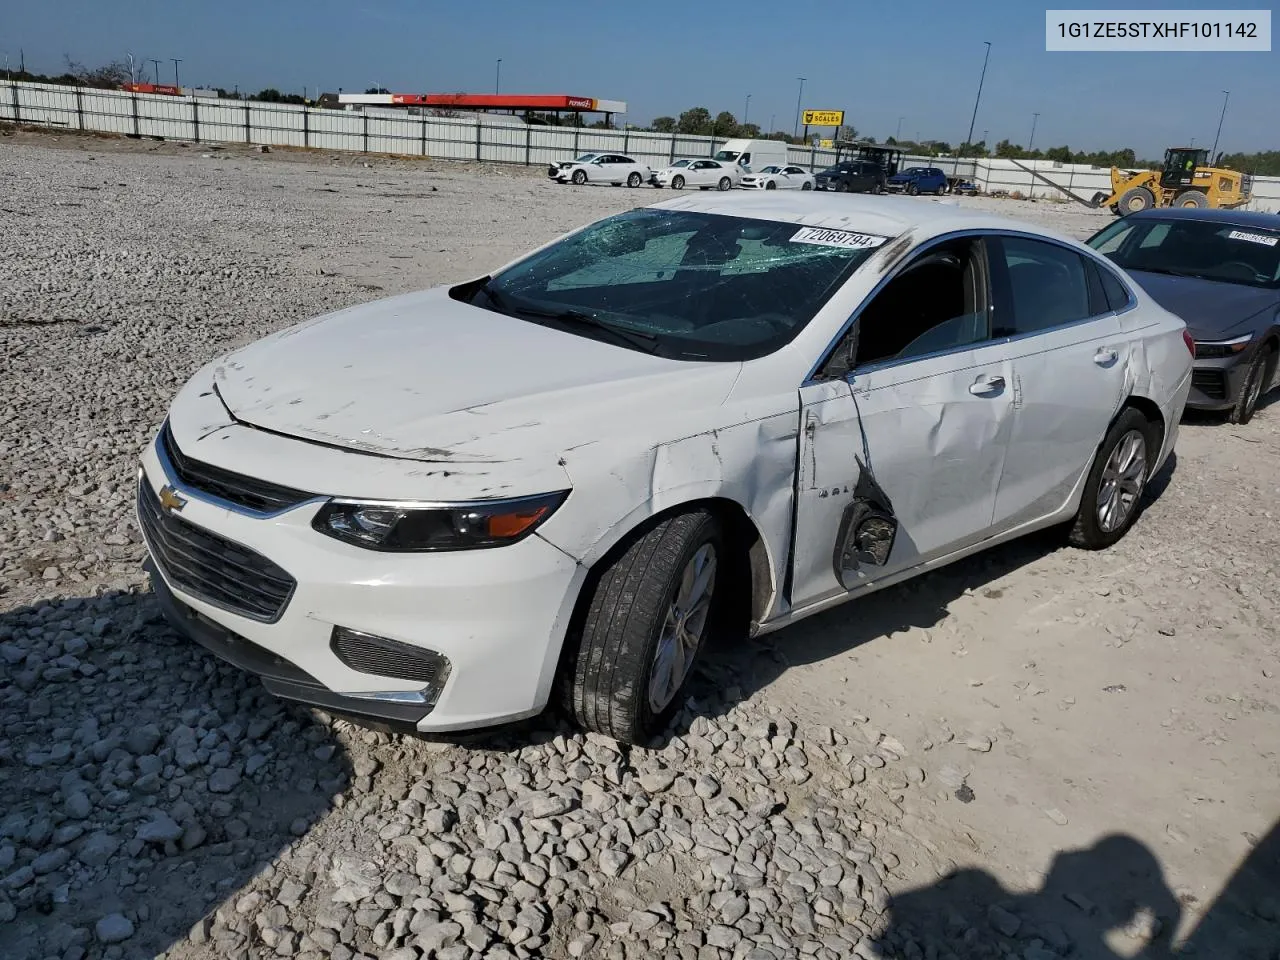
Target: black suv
{"points": [[852, 176]]}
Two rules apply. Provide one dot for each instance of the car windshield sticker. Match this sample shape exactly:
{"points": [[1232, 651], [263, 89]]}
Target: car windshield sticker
{"points": [[1254, 238], [837, 238]]}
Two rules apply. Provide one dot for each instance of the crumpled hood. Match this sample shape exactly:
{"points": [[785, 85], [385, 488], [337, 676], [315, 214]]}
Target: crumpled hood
{"points": [[1211, 310], [425, 377]]}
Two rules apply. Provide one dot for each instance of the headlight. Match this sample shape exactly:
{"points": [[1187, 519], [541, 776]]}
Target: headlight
{"points": [[1218, 349], [416, 528]]}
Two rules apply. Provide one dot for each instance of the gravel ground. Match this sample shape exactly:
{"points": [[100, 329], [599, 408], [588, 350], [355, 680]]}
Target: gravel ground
{"points": [[153, 800]]}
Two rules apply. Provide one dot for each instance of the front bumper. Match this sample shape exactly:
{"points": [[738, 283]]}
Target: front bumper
{"points": [[1216, 384], [498, 616]]}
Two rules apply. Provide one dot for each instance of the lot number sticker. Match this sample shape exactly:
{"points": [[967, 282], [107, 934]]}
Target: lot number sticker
{"points": [[1254, 238], [837, 238]]}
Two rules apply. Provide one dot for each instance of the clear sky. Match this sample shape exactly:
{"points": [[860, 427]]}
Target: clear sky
{"points": [[877, 61]]}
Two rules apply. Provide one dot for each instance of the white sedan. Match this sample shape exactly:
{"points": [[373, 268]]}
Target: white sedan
{"points": [[709, 416], [609, 168], [703, 174], [774, 177]]}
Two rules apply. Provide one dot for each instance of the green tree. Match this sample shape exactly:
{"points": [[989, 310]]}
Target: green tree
{"points": [[664, 125], [696, 121], [726, 125]]}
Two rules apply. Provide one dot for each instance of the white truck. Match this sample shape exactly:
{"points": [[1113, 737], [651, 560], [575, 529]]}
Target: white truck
{"points": [[752, 155]]}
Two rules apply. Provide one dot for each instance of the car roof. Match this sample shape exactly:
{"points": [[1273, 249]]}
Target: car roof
{"points": [[1242, 218], [879, 215]]}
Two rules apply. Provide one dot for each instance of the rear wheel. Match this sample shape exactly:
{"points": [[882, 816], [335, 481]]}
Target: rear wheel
{"points": [[724, 184], [1136, 199], [633, 180], [579, 177], [1112, 494], [1255, 382], [677, 182], [1191, 198], [647, 618], [806, 186]]}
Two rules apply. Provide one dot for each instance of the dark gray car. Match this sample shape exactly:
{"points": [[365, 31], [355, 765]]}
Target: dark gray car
{"points": [[1219, 270]]}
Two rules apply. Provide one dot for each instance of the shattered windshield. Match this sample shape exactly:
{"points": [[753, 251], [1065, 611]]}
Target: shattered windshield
{"points": [[682, 284], [1203, 249]]}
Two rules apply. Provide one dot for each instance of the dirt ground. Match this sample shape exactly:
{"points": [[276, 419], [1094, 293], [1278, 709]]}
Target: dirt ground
{"points": [[1110, 718]]}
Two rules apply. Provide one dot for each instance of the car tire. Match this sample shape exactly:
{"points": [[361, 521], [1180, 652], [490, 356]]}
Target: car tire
{"points": [[633, 180], [616, 680], [913, 190], [1112, 497], [724, 184], [771, 185], [579, 177], [941, 190], [841, 187], [806, 186], [677, 183], [1255, 383], [1191, 198], [1136, 199]]}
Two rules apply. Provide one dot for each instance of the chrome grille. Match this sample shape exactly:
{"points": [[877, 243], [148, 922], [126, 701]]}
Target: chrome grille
{"points": [[258, 495], [386, 658], [212, 568]]}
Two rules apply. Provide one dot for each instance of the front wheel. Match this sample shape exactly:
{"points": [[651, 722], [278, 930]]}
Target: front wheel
{"points": [[1113, 491], [579, 177], [1255, 383], [913, 190], [647, 619], [677, 183], [771, 185], [633, 181], [724, 184]]}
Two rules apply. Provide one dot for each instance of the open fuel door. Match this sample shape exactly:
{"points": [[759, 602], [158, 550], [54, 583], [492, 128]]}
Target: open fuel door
{"points": [[900, 458]]}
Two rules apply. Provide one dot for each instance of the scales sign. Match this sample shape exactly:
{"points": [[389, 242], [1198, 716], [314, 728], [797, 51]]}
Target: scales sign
{"points": [[823, 118]]}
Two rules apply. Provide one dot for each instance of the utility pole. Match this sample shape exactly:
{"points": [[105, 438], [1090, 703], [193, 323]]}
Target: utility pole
{"points": [[1032, 141], [133, 74], [1226, 95], [898, 135], [796, 133], [746, 110], [497, 77], [176, 61], [978, 99], [156, 76]]}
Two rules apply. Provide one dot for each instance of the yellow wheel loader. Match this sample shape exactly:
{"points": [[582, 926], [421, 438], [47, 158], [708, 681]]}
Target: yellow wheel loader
{"points": [[1186, 180]]}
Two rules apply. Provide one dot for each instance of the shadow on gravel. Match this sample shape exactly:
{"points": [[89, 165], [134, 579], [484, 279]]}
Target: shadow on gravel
{"points": [[1107, 901], [918, 603], [143, 783]]}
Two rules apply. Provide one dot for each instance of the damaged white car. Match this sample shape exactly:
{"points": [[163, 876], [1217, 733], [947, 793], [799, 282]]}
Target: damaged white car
{"points": [[715, 415]]}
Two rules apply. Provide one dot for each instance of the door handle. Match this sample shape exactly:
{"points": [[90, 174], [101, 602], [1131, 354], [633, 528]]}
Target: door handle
{"points": [[985, 386], [1104, 356]]}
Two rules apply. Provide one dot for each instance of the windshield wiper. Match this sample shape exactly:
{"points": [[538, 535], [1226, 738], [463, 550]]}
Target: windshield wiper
{"points": [[641, 341]]}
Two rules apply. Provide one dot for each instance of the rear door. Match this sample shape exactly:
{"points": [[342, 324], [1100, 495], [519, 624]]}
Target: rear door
{"points": [[900, 459], [1070, 359]]}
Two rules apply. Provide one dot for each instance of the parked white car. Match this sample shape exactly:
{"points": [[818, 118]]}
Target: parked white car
{"points": [[703, 174], [709, 415], [613, 168], [774, 177]]}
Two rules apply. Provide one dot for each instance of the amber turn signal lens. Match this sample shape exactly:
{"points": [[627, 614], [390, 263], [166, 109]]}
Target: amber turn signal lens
{"points": [[507, 525]]}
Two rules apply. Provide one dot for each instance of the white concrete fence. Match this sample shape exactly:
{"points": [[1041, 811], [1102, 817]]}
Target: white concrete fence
{"points": [[214, 120]]}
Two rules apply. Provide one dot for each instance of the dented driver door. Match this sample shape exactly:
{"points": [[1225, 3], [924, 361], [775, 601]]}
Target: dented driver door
{"points": [[899, 464]]}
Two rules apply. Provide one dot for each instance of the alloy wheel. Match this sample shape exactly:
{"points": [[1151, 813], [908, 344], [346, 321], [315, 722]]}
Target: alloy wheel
{"points": [[684, 628], [1122, 481]]}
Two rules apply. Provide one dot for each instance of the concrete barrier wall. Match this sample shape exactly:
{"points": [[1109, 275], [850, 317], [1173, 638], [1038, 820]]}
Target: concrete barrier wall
{"points": [[205, 119]]}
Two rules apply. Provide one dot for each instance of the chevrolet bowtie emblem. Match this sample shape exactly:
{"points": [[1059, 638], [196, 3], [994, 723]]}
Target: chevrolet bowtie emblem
{"points": [[170, 500]]}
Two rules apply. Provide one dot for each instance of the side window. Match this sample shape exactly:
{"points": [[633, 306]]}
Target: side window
{"points": [[1043, 285], [938, 302], [1118, 295]]}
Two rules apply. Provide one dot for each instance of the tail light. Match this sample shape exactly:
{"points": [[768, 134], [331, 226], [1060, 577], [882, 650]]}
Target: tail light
{"points": [[1189, 341]]}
